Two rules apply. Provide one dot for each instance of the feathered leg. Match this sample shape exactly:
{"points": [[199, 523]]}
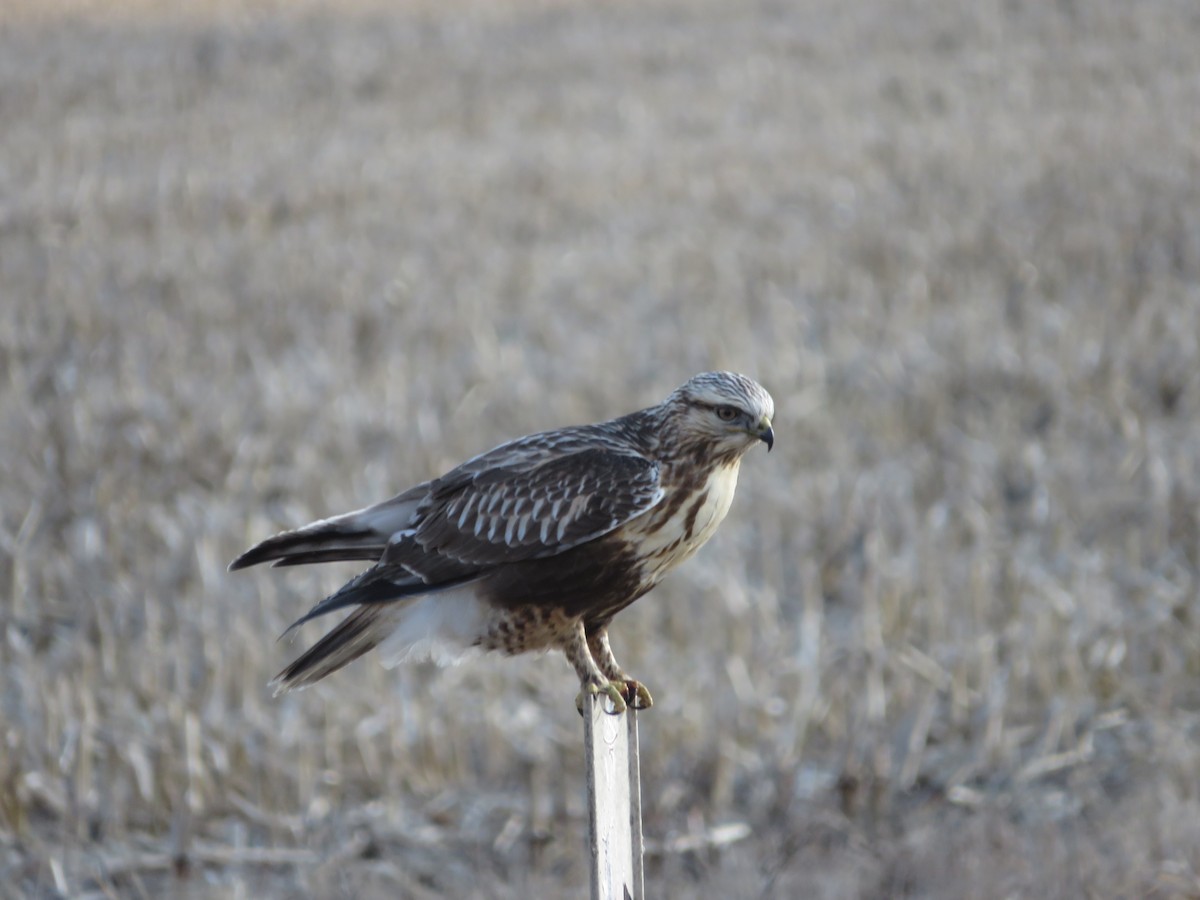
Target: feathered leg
{"points": [[590, 676], [635, 693]]}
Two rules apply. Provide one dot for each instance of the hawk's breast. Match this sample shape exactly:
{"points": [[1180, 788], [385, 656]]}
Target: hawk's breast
{"points": [[683, 523]]}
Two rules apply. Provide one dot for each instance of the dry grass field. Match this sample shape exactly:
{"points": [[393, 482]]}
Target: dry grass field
{"points": [[264, 264]]}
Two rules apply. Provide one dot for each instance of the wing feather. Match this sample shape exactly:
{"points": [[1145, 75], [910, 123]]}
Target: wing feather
{"points": [[508, 514]]}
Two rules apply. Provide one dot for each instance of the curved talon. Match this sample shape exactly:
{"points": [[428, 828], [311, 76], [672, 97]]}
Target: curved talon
{"points": [[636, 694], [609, 690]]}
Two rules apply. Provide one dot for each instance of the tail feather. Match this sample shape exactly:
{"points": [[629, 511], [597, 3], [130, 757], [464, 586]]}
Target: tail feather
{"points": [[359, 632], [370, 553], [312, 544], [373, 587], [444, 626], [360, 535]]}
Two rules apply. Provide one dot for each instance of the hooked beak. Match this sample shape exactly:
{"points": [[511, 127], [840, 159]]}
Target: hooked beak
{"points": [[766, 433]]}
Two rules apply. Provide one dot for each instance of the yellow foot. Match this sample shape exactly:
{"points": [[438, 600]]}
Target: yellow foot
{"points": [[623, 692], [635, 693], [608, 689]]}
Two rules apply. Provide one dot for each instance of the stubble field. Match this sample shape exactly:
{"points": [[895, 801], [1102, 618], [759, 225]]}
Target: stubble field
{"points": [[261, 265]]}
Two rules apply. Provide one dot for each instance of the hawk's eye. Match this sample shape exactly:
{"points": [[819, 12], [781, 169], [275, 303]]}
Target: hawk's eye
{"points": [[727, 413]]}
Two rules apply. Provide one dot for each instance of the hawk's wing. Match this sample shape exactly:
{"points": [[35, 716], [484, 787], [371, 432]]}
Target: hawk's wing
{"points": [[502, 508], [505, 514]]}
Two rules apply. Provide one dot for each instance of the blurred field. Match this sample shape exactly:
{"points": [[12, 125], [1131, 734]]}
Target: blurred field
{"points": [[261, 266]]}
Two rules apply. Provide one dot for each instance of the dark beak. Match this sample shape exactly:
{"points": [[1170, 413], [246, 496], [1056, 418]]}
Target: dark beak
{"points": [[767, 436]]}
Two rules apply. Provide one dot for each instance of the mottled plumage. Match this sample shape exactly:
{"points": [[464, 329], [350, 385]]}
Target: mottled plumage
{"points": [[537, 543]]}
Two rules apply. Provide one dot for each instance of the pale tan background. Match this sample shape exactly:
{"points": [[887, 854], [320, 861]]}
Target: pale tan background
{"points": [[262, 264]]}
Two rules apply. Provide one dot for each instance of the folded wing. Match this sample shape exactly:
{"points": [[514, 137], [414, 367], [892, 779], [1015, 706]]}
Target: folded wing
{"points": [[474, 519]]}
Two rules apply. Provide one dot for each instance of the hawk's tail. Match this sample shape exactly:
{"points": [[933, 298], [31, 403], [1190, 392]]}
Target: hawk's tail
{"points": [[360, 535], [359, 632], [313, 544], [445, 626]]}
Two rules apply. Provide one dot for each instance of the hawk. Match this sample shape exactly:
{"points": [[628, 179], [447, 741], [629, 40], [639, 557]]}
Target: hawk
{"points": [[536, 544]]}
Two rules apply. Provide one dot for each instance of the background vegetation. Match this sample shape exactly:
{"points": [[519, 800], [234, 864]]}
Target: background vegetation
{"points": [[259, 265]]}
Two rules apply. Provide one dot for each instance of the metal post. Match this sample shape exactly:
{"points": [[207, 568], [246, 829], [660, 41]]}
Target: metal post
{"points": [[614, 802]]}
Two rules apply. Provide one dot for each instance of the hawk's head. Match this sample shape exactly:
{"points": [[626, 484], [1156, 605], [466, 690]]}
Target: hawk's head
{"points": [[725, 410]]}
